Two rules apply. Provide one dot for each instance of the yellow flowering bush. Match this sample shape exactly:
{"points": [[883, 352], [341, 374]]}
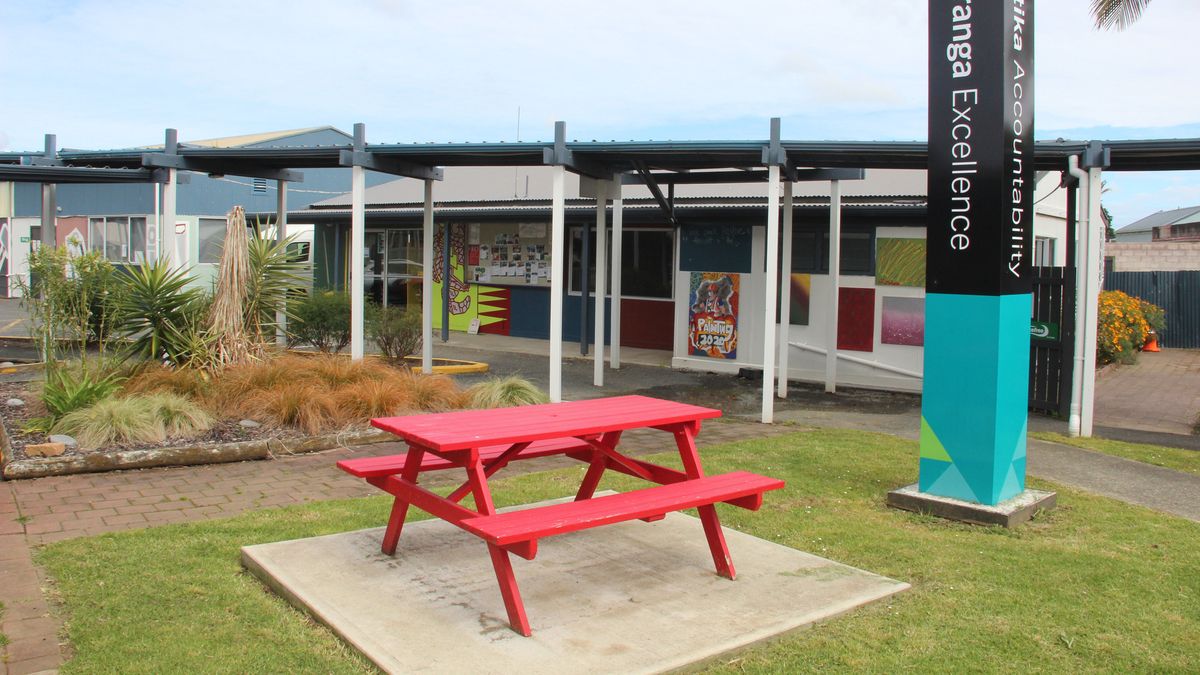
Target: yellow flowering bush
{"points": [[1124, 326]]}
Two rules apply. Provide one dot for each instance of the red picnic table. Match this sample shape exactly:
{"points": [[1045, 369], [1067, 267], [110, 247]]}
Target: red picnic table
{"points": [[483, 441]]}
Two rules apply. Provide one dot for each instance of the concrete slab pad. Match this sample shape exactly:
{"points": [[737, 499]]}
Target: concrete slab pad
{"points": [[1008, 513], [633, 597]]}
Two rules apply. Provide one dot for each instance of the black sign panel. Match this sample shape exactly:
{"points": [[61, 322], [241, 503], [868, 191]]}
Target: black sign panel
{"points": [[981, 171]]}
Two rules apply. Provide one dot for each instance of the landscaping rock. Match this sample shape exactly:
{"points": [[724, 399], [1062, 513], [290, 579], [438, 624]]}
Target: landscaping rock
{"points": [[250, 424], [64, 439], [45, 449], [15, 403]]}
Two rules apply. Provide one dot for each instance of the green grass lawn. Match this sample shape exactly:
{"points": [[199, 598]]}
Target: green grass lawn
{"points": [[1094, 585], [1180, 459]]}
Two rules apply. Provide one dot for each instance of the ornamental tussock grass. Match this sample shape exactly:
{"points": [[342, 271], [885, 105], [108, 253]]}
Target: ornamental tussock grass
{"points": [[373, 398], [503, 392], [298, 404], [434, 393], [112, 420], [134, 419], [178, 415], [186, 382], [319, 393]]}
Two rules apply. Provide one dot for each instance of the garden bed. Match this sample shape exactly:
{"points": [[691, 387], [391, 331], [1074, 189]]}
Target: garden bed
{"points": [[227, 441]]}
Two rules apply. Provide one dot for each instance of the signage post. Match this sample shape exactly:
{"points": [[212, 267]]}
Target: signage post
{"points": [[978, 300]]}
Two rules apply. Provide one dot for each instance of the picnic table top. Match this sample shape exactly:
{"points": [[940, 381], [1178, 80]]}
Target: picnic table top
{"points": [[465, 429]]}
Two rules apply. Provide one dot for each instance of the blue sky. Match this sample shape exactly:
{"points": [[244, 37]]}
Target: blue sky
{"points": [[115, 73]]}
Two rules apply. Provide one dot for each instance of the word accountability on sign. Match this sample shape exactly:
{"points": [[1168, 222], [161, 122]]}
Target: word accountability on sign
{"points": [[963, 168]]}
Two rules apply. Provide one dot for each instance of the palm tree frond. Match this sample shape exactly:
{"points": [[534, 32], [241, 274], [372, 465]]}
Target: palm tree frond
{"points": [[1118, 14]]}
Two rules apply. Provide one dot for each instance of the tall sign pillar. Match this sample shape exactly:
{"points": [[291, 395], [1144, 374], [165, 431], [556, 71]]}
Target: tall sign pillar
{"points": [[978, 300]]}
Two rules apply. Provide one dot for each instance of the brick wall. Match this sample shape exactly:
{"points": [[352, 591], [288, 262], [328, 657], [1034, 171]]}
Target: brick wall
{"points": [[1153, 257]]}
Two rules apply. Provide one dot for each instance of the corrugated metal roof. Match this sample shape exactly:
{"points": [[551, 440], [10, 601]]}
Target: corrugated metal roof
{"points": [[1161, 218]]}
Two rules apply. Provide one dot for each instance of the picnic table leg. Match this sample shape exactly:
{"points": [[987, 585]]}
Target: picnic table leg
{"points": [[500, 560], [686, 440], [412, 466], [597, 467]]}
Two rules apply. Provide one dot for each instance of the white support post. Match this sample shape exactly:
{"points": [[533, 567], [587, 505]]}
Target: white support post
{"points": [[358, 235], [618, 231], [154, 231], [770, 295], [1095, 237], [835, 270], [357, 240], [785, 290], [557, 270], [280, 237], [601, 285], [168, 247], [427, 283]]}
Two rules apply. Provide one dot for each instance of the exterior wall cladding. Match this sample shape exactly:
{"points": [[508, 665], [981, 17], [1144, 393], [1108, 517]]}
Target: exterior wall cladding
{"points": [[1153, 257]]}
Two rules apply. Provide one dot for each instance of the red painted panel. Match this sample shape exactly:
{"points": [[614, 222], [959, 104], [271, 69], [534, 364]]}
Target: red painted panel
{"points": [[856, 319], [648, 324]]}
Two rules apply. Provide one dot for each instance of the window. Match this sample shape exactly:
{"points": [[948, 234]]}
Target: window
{"points": [[1043, 252], [647, 262], [810, 251], [120, 239], [212, 238]]}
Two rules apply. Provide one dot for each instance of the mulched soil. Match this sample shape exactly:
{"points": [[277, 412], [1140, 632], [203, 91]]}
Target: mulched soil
{"points": [[16, 418]]}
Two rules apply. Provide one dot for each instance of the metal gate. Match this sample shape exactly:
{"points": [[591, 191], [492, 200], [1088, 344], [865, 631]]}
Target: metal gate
{"points": [[1178, 293], [1052, 339]]}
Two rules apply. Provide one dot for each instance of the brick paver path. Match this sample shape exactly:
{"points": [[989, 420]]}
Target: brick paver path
{"points": [[1161, 392], [39, 511]]}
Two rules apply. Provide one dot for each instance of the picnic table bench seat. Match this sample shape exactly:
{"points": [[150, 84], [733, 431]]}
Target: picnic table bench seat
{"points": [[524, 527], [376, 467]]}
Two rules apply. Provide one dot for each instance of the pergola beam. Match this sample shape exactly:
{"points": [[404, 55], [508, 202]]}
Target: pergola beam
{"points": [[386, 164], [51, 173], [222, 168]]}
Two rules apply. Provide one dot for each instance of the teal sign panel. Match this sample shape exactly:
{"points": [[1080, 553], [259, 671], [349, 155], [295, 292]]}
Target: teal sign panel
{"points": [[975, 403]]}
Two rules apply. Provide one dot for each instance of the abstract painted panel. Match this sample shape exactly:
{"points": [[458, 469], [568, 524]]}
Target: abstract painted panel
{"points": [[856, 319], [900, 262], [903, 322]]}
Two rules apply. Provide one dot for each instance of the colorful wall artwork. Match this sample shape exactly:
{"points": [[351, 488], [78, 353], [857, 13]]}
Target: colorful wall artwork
{"points": [[903, 322], [467, 301], [900, 262], [801, 294], [713, 314], [856, 319]]}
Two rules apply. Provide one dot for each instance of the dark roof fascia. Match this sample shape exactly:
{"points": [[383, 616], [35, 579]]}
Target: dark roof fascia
{"points": [[642, 214], [1145, 155]]}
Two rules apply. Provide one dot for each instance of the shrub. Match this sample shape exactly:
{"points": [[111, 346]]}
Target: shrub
{"points": [[68, 389], [1123, 327], [321, 320], [274, 277], [70, 299], [155, 306], [396, 332], [503, 392]]}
